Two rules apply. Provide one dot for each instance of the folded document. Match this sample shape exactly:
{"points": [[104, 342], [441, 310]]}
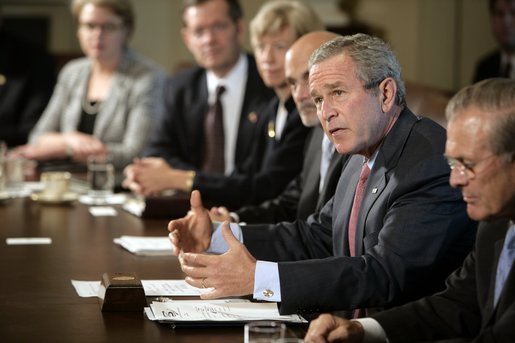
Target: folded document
{"points": [[216, 311], [146, 246]]}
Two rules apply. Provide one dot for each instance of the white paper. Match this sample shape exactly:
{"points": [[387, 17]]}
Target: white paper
{"points": [[86, 288], [28, 240], [102, 211], [114, 199], [171, 288], [146, 246], [151, 288], [227, 311]]}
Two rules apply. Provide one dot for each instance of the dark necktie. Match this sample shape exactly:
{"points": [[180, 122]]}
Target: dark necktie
{"points": [[505, 263], [356, 205], [214, 162]]}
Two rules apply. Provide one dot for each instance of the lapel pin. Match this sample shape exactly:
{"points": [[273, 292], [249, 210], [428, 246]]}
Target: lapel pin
{"points": [[252, 117], [374, 190], [271, 129]]}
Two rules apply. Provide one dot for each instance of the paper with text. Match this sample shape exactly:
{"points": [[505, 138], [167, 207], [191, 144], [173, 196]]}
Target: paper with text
{"points": [[223, 311]]}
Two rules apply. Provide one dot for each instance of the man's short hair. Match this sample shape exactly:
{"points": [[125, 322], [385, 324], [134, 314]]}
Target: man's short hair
{"points": [[374, 60], [235, 11], [496, 98]]}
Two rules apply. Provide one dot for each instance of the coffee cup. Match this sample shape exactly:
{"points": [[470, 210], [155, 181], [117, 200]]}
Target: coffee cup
{"points": [[55, 184]]}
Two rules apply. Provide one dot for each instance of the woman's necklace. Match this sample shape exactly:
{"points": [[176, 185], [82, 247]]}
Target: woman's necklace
{"points": [[90, 107]]}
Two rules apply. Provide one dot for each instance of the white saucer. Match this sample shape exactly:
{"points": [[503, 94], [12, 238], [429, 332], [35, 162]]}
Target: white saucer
{"points": [[4, 195], [45, 199]]}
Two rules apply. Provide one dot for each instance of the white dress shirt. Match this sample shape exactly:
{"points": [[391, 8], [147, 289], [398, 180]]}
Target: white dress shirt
{"points": [[232, 101]]}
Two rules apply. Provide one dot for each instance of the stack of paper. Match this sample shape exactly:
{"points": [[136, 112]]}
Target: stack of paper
{"points": [[216, 311], [146, 246]]}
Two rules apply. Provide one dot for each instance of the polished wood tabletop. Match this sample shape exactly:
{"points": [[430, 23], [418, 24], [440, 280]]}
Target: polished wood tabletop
{"points": [[37, 299]]}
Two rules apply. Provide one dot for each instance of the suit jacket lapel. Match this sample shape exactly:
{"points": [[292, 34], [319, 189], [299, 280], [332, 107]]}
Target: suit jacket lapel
{"points": [[312, 163], [118, 91], [387, 157], [343, 199]]}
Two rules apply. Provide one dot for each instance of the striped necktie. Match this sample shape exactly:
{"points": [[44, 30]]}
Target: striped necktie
{"points": [[214, 151]]}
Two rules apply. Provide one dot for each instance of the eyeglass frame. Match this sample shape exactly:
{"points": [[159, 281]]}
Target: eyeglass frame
{"points": [[465, 168], [105, 28]]}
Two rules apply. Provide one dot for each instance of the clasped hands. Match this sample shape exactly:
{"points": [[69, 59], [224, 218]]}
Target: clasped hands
{"points": [[150, 176], [228, 274], [60, 145]]}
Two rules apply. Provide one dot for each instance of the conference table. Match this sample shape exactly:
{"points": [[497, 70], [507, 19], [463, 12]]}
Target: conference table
{"points": [[37, 299]]}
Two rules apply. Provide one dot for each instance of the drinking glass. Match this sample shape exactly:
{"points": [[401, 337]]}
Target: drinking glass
{"points": [[100, 177], [264, 331], [3, 156]]}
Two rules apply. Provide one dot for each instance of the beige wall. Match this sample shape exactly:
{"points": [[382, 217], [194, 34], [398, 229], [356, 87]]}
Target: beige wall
{"points": [[437, 41]]}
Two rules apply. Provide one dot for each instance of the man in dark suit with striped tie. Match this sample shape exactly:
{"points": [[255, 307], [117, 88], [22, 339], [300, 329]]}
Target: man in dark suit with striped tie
{"points": [[478, 304], [411, 229]]}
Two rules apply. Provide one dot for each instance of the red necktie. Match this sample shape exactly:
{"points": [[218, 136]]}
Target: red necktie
{"points": [[356, 205], [214, 162]]}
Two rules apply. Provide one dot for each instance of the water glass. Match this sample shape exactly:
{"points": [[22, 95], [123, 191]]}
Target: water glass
{"points": [[100, 176], [3, 155], [264, 331], [14, 170]]}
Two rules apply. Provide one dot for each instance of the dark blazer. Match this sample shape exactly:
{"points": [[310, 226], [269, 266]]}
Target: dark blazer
{"points": [[488, 66], [179, 135], [269, 169], [301, 197], [29, 76], [413, 230], [465, 308]]}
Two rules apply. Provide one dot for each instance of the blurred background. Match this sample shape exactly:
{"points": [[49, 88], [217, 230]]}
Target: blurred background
{"points": [[437, 41]]}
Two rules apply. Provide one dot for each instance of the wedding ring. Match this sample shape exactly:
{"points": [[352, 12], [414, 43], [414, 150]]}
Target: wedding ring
{"points": [[203, 285]]}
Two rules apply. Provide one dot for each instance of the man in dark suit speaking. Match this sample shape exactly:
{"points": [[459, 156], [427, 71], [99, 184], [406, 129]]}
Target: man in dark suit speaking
{"points": [[405, 235], [478, 304]]}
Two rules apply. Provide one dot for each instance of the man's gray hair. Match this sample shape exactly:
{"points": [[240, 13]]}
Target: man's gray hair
{"points": [[496, 97], [374, 60]]}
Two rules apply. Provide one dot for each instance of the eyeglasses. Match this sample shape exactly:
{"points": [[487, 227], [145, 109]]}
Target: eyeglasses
{"points": [[106, 27], [468, 169], [216, 28]]}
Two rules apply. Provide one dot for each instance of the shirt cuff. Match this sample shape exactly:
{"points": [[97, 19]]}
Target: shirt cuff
{"points": [[267, 285], [374, 332], [218, 243]]}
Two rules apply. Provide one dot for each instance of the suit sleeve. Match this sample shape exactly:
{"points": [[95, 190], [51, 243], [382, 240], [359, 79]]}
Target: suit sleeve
{"points": [[281, 208], [464, 309], [267, 174], [173, 131]]}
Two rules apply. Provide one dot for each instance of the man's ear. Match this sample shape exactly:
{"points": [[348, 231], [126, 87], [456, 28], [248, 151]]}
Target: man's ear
{"points": [[387, 94]]}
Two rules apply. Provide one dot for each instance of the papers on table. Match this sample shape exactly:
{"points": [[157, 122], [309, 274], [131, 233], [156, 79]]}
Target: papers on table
{"points": [[146, 246], [102, 211], [86, 289], [216, 311], [171, 288], [151, 288], [28, 240]]}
